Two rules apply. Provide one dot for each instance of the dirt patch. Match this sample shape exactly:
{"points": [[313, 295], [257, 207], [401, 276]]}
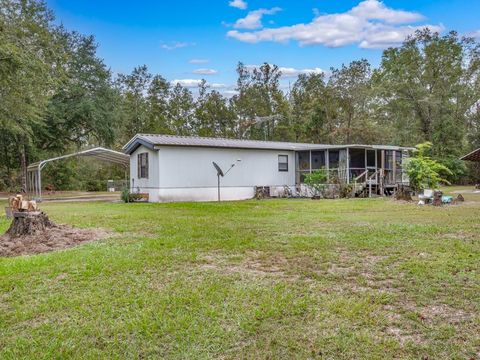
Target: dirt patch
{"points": [[403, 337], [443, 312], [303, 266], [55, 238], [255, 264], [462, 235]]}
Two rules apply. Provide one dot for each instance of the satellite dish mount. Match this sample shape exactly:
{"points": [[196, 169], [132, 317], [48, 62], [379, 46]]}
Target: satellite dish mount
{"points": [[220, 173]]}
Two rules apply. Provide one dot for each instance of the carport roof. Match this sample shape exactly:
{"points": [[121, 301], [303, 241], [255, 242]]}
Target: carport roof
{"points": [[153, 141], [98, 153], [473, 156]]}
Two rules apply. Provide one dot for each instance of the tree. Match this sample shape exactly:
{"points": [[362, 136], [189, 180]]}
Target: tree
{"points": [[426, 89], [181, 110], [213, 115], [133, 87], [29, 53], [259, 95], [351, 90], [312, 109], [84, 109], [157, 98]]}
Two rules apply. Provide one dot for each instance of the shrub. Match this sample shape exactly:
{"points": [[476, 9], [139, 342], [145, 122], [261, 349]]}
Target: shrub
{"points": [[424, 172], [345, 190], [317, 181], [125, 195], [95, 185]]}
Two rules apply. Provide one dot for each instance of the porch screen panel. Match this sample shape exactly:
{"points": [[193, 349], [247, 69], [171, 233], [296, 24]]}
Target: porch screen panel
{"points": [[318, 160], [357, 162], [333, 164], [371, 158], [303, 161], [333, 159], [342, 166], [405, 178], [398, 166], [389, 175]]}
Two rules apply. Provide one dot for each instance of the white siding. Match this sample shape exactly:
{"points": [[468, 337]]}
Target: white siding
{"points": [[179, 173], [192, 167], [150, 185], [187, 173]]}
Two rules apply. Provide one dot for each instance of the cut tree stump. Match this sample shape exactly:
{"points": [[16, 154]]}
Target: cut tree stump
{"points": [[29, 223], [437, 198], [403, 192]]}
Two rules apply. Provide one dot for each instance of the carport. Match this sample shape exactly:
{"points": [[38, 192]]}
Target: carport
{"points": [[473, 156], [34, 171]]}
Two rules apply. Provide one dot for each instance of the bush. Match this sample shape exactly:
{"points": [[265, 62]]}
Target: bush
{"points": [[95, 185], [317, 181], [424, 172], [345, 190], [125, 195]]}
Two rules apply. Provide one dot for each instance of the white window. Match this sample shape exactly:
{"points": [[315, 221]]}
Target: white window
{"points": [[142, 165], [282, 162]]}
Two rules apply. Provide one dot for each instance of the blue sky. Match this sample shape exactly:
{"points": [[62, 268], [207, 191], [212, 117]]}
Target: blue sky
{"points": [[171, 37]]}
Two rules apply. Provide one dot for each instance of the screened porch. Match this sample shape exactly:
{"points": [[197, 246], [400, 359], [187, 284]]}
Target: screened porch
{"points": [[354, 165]]}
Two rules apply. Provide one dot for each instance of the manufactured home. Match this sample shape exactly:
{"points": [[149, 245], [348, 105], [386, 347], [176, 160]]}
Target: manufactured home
{"points": [[180, 168]]}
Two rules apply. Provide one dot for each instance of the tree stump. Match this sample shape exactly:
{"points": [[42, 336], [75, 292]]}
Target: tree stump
{"points": [[437, 198], [29, 223], [403, 193]]}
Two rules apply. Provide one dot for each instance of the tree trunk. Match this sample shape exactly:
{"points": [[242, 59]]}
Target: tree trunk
{"points": [[29, 223], [23, 165]]}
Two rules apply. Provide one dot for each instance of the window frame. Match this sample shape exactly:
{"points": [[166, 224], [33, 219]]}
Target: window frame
{"points": [[285, 156], [142, 166]]}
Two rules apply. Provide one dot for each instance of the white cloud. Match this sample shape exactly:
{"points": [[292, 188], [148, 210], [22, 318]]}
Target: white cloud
{"points": [[216, 85], [377, 10], [289, 72], [474, 34], [205, 71], [193, 83], [230, 93], [253, 20], [370, 24], [292, 72], [186, 82], [239, 4], [176, 45], [198, 61]]}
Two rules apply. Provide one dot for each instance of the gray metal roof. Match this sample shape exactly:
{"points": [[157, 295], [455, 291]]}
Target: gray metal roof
{"points": [[98, 153], [154, 141]]}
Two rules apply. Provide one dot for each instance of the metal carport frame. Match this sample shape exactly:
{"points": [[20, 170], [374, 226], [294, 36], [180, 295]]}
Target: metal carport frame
{"points": [[34, 171]]}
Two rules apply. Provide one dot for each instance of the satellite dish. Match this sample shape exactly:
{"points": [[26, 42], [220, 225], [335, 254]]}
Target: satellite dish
{"points": [[219, 170]]}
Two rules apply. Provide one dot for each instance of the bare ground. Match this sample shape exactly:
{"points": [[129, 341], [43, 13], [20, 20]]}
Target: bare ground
{"points": [[56, 238]]}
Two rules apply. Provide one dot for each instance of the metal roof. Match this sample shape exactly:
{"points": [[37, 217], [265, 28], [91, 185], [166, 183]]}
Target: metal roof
{"points": [[98, 153], [153, 141], [473, 156]]}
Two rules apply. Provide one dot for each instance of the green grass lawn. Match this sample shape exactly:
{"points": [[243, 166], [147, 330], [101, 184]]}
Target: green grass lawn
{"points": [[363, 278]]}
